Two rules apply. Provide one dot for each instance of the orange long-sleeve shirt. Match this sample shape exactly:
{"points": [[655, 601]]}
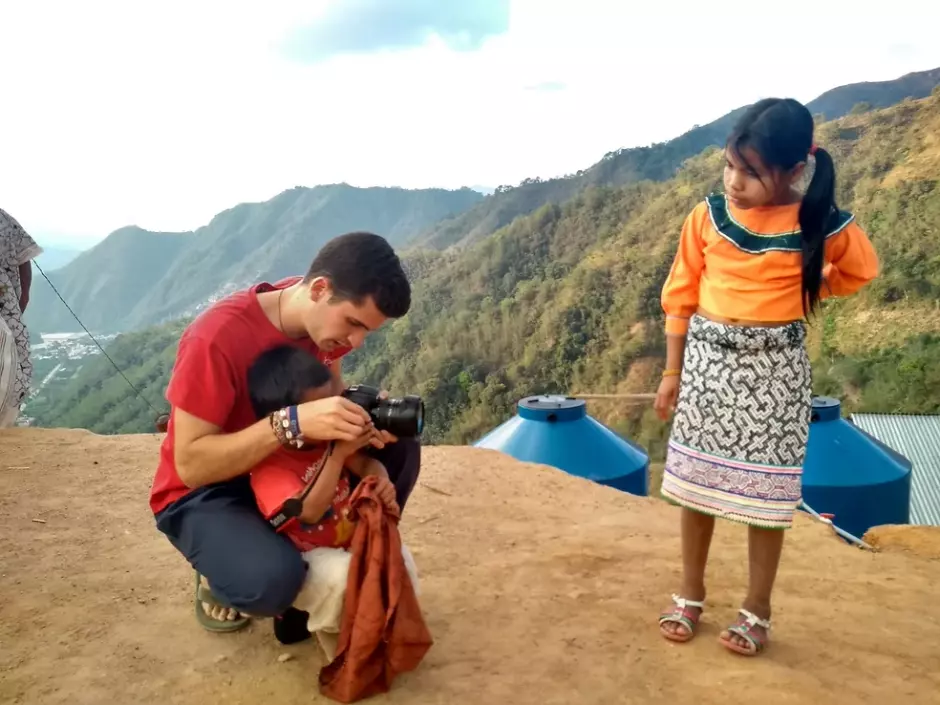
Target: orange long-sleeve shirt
{"points": [[747, 264]]}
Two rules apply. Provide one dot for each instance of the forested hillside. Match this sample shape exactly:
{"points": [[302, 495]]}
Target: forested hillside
{"points": [[656, 162], [567, 300], [136, 278]]}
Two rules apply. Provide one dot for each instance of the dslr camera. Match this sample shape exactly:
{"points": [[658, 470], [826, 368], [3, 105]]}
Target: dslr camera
{"points": [[402, 417]]}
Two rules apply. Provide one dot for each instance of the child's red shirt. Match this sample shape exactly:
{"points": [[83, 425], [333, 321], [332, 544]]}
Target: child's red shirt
{"points": [[283, 475]]}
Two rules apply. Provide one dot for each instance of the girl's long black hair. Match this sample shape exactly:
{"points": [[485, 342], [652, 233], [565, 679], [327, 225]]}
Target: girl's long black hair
{"points": [[780, 130]]}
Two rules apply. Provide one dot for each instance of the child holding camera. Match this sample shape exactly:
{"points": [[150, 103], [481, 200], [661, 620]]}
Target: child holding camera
{"points": [[278, 380]]}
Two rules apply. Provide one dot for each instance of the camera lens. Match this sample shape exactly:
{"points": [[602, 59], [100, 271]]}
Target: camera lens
{"points": [[401, 417]]}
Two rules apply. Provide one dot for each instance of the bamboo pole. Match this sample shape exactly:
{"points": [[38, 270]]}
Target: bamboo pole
{"points": [[634, 398]]}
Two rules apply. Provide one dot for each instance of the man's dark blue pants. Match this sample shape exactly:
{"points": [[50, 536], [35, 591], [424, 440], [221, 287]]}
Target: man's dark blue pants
{"points": [[249, 566]]}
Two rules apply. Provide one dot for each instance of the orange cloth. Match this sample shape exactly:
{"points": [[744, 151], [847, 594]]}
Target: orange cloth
{"points": [[383, 632], [747, 264]]}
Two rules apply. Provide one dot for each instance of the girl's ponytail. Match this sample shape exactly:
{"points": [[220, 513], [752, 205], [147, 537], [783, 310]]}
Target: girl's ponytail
{"points": [[816, 211]]}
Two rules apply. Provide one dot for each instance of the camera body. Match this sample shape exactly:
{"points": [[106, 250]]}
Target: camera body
{"points": [[402, 417]]}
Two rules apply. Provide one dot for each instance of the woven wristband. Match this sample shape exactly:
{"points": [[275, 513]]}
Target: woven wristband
{"points": [[286, 427]]}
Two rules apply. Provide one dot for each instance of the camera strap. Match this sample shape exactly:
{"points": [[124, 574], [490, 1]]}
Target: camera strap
{"points": [[294, 506]]}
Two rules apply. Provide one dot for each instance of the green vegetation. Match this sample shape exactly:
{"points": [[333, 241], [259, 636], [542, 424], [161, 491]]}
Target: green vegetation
{"points": [[566, 299], [900, 379], [100, 399]]}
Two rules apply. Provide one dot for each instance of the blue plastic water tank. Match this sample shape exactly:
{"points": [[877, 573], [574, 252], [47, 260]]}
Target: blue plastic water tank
{"points": [[852, 475], [556, 431]]}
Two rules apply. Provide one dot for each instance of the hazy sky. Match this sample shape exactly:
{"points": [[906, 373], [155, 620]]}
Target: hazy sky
{"points": [[161, 114]]}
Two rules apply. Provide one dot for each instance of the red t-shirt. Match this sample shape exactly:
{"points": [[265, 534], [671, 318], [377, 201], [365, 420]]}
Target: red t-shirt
{"points": [[210, 376], [283, 475]]}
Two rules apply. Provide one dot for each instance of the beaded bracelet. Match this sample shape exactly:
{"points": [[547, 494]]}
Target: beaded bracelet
{"points": [[286, 425]]}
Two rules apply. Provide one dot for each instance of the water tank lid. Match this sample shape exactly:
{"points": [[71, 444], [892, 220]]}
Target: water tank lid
{"points": [[826, 409], [552, 408]]}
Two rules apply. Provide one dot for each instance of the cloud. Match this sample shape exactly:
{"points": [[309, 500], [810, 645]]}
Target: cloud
{"points": [[167, 139], [548, 86], [369, 26]]}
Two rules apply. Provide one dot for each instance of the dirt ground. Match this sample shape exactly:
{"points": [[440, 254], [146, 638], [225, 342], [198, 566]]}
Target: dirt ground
{"points": [[96, 607]]}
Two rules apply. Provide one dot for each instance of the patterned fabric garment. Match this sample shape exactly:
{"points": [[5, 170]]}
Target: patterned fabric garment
{"points": [[9, 369], [741, 424], [16, 248]]}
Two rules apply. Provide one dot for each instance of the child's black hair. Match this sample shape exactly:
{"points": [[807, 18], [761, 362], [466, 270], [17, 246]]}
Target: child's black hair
{"points": [[279, 376], [780, 130]]}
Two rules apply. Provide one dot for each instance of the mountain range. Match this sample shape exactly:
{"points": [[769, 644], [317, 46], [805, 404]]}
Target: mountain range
{"points": [[54, 257], [135, 278], [565, 299], [657, 162]]}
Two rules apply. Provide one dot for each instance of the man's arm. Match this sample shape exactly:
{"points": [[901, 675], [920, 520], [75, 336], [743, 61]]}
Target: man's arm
{"points": [[202, 393], [203, 454], [26, 281]]}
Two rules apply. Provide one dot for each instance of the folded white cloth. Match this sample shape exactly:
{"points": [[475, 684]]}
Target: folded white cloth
{"points": [[324, 592]]}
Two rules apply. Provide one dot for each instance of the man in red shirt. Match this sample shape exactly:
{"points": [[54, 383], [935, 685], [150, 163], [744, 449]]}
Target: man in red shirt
{"points": [[201, 495]]}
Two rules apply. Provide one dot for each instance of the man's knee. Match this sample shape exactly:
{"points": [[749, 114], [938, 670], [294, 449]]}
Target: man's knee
{"points": [[267, 586]]}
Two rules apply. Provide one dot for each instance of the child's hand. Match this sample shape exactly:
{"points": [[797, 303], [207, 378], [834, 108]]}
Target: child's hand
{"points": [[386, 492], [666, 397], [343, 449]]}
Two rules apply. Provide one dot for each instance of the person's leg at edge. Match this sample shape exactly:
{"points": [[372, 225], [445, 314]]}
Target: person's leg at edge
{"points": [[250, 569], [697, 531], [765, 547]]}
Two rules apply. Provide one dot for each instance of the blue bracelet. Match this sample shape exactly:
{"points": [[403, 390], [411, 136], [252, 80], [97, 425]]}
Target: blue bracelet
{"points": [[295, 434]]}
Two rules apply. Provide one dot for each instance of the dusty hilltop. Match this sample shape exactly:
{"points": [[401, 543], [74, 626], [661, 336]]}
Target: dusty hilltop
{"points": [[538, 588]]}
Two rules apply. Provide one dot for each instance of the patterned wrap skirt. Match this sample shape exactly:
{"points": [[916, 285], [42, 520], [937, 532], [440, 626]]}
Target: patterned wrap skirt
{"points": [[741, 424], [9, 369]]}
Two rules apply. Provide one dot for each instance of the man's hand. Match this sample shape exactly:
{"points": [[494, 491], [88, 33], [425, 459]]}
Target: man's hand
{"points": [[333, 419]]}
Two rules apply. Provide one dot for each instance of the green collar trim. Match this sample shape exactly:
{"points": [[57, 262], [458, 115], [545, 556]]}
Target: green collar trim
{"points": [[759, 243]]}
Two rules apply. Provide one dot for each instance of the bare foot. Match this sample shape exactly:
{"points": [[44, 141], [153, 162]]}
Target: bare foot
{"points": [[218, 612]]}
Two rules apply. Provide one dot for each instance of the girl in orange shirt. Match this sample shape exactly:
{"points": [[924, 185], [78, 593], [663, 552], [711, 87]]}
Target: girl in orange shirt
{"points": [[752, 264]]}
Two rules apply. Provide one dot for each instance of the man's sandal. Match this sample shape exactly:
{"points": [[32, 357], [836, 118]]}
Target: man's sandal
{"points": [[744, 627], [683, 613], [204, 594]]}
